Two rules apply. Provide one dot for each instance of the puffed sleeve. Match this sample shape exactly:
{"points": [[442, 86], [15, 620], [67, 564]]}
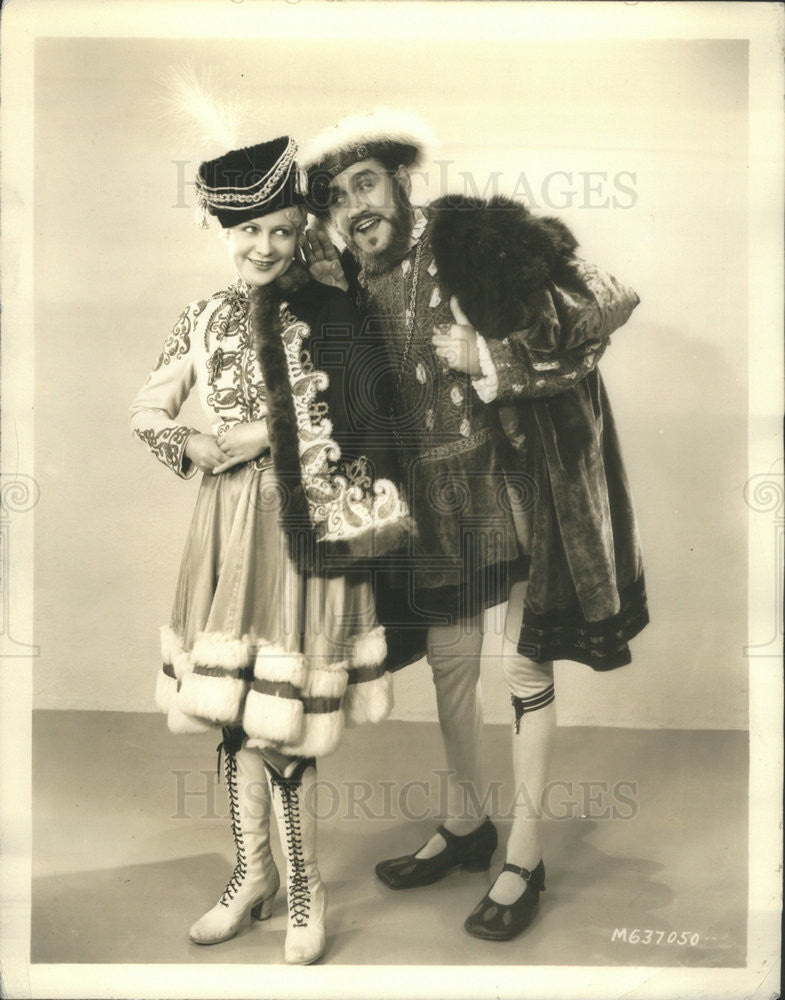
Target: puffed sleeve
{"points": [[570, 328], [154, 410]]}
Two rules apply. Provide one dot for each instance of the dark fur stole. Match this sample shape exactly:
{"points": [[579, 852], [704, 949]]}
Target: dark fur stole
{"points": [[492, 254], [339, 489], [266, 330]]}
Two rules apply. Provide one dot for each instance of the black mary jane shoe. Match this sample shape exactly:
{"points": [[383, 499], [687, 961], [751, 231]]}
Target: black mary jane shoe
{"points": [[471, 852], [499, 921]]}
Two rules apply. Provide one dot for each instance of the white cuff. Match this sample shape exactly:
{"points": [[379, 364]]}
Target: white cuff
{"points": [[486, 387]]}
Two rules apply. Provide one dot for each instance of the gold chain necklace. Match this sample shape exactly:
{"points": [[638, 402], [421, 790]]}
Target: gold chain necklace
{"points": [[410, 313]]}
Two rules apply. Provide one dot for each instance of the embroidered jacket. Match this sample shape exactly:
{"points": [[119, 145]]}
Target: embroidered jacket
{"points": [[291, 352], [287, 353], [209, 348], [329, 436]]}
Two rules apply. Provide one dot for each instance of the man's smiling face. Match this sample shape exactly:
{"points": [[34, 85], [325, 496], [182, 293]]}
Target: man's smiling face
{"points": [[369, 207]]}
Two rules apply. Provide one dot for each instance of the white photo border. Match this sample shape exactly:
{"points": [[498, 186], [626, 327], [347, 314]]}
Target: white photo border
{"points": [[762, 25]]}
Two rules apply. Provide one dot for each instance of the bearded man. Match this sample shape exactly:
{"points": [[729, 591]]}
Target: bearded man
{"points": [[488, 493]]}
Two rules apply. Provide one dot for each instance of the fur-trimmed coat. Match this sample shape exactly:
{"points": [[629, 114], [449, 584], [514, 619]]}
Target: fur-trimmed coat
{"points": [[291, 353], [586, 595], [295, 353], [330, 441]]}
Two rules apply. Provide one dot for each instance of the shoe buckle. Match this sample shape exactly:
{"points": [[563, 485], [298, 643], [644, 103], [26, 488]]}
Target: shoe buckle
{"points": [[524, 873]]}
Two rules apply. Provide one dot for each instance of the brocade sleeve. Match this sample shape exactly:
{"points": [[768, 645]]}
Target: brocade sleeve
{"points": [[570, 329], [158, 402]]}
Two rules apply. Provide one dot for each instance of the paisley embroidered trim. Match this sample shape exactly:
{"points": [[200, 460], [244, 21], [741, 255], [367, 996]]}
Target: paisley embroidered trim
{"points": [[342, 502], [234, 376], [168, 445], [178, 343]]}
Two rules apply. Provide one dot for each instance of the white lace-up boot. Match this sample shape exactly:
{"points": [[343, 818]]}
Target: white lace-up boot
{"points": [[255, 880], [307, 898]]}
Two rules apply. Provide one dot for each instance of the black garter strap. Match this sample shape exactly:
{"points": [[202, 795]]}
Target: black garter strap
{"points": [[531, 704]]}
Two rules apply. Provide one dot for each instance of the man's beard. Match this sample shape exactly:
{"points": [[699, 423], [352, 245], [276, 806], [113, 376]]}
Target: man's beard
{"points": [[401, 223]]}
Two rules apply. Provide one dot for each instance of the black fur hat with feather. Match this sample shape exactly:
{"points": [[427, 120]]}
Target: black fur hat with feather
{"points": [[491, 254]]}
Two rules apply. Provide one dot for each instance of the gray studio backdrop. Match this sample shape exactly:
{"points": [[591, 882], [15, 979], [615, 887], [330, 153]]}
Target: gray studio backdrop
{"points": [[639, 146]]}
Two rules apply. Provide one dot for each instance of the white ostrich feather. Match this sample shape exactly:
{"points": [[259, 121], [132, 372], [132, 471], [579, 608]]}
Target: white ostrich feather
{"points": [[384, 123], [201, 121]]}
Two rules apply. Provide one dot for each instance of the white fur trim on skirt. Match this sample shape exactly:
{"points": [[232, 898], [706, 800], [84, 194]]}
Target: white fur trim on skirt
{"points": [[215, 686], [323, 714], [369, 696], [178, 722]]}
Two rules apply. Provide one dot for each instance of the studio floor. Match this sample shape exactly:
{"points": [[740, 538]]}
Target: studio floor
{"points": [[647, 832]]}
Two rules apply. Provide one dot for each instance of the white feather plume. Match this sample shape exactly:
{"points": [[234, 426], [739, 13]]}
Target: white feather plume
{"points": [[200, 120]]}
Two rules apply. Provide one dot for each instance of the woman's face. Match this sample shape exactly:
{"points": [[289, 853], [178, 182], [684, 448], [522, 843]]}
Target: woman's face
{"points": [[262, 249]]}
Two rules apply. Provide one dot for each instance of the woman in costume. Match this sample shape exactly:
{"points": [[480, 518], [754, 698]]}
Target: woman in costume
{"points": [[273, 635]]}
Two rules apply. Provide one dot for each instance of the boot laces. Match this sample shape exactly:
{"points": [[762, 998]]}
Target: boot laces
{"points": [[299, 892], [241, 866]]}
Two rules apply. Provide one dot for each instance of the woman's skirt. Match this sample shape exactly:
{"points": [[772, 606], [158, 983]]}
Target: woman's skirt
{"points": [[252, 640]]}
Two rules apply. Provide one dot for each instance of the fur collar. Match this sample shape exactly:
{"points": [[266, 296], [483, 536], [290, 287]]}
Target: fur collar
{"points": [[292, 280], [492, 254]]}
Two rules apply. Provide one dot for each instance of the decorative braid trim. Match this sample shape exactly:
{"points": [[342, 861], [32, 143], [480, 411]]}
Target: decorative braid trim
{"points": [[235, 673], [311, 704], [362, 675], [567, 635], [457, 447], [223, 196]]}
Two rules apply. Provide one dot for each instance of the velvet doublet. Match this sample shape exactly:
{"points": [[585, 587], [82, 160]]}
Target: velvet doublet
{"points": [[517, 472]]}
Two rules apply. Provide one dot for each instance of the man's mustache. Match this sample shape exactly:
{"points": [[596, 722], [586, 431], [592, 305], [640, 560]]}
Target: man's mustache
{"points": [[365, 217]]}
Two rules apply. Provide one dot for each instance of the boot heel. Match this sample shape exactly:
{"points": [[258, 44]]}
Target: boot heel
{"points": [[263, 909], [477, 865]]}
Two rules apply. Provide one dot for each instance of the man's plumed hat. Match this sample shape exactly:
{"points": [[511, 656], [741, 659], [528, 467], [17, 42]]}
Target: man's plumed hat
{"points": [[246, 183], [392, 136]]}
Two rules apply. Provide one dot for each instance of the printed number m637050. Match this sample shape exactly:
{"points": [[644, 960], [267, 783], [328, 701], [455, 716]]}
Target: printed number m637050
{"points": [[645, 935]]}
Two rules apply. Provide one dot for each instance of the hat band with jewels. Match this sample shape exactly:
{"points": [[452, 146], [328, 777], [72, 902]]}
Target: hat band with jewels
{"points": [[242, 198], [321, 175], [390, 152], [346, 159]]}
